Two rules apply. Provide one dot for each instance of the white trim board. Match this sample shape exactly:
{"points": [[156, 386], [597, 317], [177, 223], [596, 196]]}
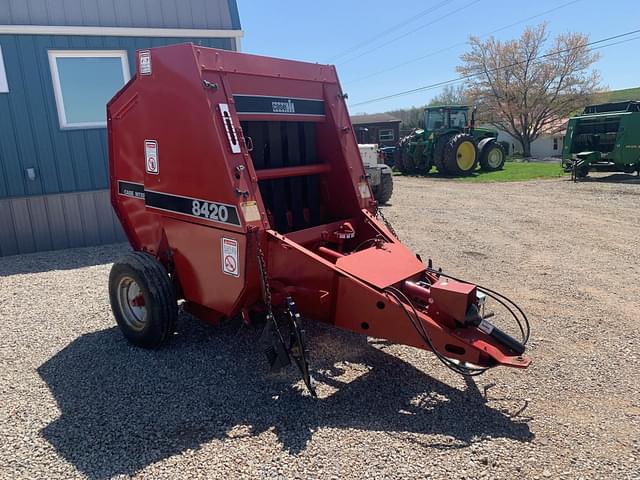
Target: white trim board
{"points": [[118, 31]]}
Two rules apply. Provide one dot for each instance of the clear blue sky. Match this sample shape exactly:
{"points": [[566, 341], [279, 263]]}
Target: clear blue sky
{"points": [[321, 31]]}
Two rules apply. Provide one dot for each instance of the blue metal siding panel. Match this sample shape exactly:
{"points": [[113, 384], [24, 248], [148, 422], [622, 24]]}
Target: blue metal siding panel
{"points": [[15, 139], [8, 241], [39, 223], [124, 10], [73, 14], [18, 11], [213, 14], [60, 140], [154, 14], [30, 135], [55, 14], [22, 223], [234, 14], [90, 13], [139, 17], [169, 12], [57, 221], [35, 93], [107, 12]]}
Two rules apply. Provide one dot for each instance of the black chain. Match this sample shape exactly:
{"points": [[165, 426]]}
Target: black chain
{"points": [[264, 277], [386, 222]]}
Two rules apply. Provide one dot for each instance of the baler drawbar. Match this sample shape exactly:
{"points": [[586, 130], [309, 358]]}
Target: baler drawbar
{"points": [[239, 184]]}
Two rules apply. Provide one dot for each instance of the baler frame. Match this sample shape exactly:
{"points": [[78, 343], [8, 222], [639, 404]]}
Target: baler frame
{"points": [[239, 177]]}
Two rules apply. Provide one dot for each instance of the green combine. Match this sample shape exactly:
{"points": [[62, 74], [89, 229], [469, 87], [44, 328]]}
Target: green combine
{"points": [[605, 137], [451, 143]]}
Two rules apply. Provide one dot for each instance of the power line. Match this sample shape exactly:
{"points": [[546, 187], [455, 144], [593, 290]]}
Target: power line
{"points": [[466, 77], [451, 47], [375, 49], [395, 27]]}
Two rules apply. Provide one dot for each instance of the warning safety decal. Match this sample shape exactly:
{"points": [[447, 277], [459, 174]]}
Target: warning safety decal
{"points": [[151, 157], [230, 264]]}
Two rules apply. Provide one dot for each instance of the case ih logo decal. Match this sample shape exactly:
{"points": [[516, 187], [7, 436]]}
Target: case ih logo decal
{"points": [[283, 107], [260, 105], [193, 207]]}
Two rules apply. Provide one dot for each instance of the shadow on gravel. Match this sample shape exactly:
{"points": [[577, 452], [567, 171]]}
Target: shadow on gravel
{"points": [[61, 259], [613, 178], [124, 408]]}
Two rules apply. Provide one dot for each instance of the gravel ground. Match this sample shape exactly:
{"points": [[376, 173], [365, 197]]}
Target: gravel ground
{"points": [[78, 401]]}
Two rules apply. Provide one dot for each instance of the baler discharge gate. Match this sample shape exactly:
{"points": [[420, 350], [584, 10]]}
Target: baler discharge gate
{"points": [[239, 184]]}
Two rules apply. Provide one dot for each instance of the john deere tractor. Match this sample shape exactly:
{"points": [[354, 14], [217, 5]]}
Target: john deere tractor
{"points": [[451, 143]]}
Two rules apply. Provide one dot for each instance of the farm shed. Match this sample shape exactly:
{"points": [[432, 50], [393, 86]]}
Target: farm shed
{"points": [[380, 128], [60, 62]]}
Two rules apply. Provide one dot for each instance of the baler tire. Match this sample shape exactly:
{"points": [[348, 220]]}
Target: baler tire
{"points": [[451, 153], [148, 275], [385, 189], [582, 172], [486, 148]]}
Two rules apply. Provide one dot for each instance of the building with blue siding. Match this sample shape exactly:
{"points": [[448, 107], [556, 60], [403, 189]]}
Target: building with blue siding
{"points": [[60, 62]]}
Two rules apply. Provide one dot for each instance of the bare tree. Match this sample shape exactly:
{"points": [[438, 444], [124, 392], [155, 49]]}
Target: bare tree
{"points": [[527, 86], [411, 117], [450, 95]]}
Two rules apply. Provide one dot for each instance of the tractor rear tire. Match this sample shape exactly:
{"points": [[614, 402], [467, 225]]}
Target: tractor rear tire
{"points": [[143, 300], [461, 155], [385, 189], [492, 156], [404, 163], [438, 154]]}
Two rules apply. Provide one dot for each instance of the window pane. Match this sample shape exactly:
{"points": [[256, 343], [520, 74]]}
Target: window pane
{"points": [[386, 135], [87, 85], [435, 120], [458, 118]]}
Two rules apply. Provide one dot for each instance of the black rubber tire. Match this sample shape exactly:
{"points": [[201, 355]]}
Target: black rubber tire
{"points": [[405, 163], [438, 154], [582, 172], [159, 299], [486, 147], [385, 189], [451, 155]]}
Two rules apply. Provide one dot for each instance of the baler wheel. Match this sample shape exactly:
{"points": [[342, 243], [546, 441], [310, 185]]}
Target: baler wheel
{"points": [[143, 300]]}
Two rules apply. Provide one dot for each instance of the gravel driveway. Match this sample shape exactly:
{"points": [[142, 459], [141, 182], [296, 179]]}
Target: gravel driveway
{"points": [[77, 401]]}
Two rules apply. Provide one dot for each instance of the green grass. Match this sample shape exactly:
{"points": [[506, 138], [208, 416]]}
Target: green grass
{"points": [[619, 95], [512, 172], [517, 172]]}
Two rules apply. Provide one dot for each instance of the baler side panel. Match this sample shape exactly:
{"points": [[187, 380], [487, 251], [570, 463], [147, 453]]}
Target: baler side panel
{"points": [[341, 187], [198, 257]]}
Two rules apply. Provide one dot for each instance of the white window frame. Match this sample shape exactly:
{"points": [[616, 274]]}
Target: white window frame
{"points": [[4, 84], [57, 89], [388, 132]]}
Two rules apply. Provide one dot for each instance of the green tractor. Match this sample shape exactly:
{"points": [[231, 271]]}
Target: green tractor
{"points": [[451, 143], [604, 137]]}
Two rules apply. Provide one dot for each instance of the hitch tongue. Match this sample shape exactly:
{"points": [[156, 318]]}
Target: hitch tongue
{"points": [[474, 318]]}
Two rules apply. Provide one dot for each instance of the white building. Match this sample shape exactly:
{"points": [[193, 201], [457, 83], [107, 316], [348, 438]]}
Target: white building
{"points": [[547, 145]]}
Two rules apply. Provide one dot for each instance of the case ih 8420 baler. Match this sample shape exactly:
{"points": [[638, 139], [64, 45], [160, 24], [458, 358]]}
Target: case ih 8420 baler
{"points": [[239, 184]]}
